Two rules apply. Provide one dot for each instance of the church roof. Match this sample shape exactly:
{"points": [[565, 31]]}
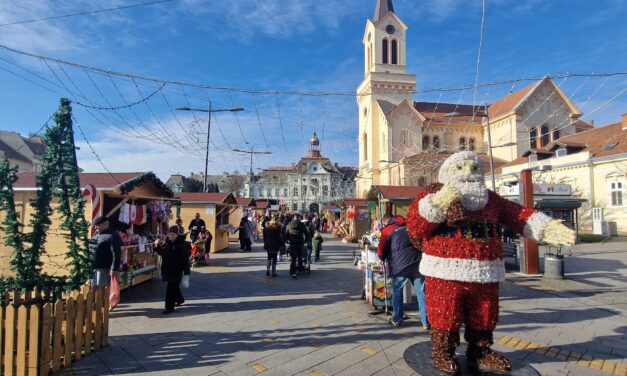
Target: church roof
{"points": [[382, 9], [510, 102], [437, 112]]}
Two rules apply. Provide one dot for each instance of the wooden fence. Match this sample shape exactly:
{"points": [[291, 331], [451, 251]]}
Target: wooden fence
{"points": [[38, 337]]}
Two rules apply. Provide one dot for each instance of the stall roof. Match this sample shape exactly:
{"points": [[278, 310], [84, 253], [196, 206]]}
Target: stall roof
{"points": [[356, 202], [329, 207], [262, 204], [102, 181], [391, 192], [207, 198], [245, 201]]}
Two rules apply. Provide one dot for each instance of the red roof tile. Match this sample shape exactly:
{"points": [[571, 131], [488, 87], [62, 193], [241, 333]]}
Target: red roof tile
{"points": [[581, 126], [357, 202], [98, 180], [438, 111], [510, 102], [244, 201], [398, 192]]}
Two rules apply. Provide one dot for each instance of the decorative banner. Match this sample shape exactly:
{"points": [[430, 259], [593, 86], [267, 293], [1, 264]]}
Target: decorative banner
{"points": [[91, 192]]}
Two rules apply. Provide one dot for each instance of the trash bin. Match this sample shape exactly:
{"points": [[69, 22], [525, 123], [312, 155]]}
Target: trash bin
{"points": [[553, 266]]}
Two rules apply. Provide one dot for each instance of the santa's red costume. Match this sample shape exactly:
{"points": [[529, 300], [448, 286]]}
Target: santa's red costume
{"points": [[459, 227]]}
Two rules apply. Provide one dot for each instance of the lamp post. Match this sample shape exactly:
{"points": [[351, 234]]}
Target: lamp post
{"points": [[484, 115], [251, 152], [209, 111]]}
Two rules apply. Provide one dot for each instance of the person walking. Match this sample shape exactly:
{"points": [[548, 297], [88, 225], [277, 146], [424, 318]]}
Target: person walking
{"points": [[316, 242], [272, 243], [297, 234], [311, 229], [403, 260], [175, 253], [195, 226], [105, 249]]}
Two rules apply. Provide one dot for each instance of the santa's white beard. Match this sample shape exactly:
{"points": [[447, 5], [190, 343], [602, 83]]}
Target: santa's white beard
{"points": [[474, 194]]}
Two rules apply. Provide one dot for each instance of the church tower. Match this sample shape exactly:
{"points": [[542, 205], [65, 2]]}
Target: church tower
{"points": [[386, 84]]}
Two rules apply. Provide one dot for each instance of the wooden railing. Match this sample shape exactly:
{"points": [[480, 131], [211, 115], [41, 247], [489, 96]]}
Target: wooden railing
{"points": [[39, 337]]}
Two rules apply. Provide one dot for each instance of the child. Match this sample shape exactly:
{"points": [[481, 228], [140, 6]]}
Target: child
{"points": [[317, 245]]}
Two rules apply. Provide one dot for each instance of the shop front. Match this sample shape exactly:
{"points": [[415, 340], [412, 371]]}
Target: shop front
{"points": [[394, 200], [354, 219]]}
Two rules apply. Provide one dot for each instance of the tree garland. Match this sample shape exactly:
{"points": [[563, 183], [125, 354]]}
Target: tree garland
{"points": [[58, 179]]}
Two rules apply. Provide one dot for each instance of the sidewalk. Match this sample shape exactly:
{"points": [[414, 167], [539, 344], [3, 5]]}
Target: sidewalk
{"points": [[238, 322]]}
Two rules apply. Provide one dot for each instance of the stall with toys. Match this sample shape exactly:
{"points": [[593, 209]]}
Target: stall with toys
{"points": [[377, 288], [140, 209], [354, 219]]}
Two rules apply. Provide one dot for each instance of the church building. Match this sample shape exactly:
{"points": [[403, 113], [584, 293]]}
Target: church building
{"points": [[403, 142]]}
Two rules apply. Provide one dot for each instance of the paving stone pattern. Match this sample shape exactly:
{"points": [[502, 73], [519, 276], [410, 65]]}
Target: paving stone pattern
{"points": [[238, 322]]}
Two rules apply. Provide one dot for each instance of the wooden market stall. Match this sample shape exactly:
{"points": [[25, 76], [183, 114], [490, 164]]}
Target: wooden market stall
{"points": [[354, 218], [215, 209], [138, 206], [395, 200], [242, 209]]}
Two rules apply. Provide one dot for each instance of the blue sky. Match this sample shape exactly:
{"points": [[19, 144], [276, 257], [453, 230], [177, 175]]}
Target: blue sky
{"points": [[305, 46]]}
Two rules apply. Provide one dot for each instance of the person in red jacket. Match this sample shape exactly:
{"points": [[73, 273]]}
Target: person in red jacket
{"points": [[459, 226]]}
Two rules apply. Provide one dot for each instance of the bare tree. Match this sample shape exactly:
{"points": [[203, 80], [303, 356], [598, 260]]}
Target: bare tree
{"points": [[235, 183]]}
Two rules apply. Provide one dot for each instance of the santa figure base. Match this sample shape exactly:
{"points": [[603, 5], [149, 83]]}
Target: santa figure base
{"points": [[418, 358]]}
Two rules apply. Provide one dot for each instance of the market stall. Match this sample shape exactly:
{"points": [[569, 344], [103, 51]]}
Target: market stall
{"points": [[395, 200], [215, 209], [354, 219], [138, 206]]}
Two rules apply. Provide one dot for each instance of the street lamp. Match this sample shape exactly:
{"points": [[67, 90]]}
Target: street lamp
{"points": [[209, 111], [251, 152]]}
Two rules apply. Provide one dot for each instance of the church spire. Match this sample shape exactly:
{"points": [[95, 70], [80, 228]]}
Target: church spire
{"points": [[383, 7]]}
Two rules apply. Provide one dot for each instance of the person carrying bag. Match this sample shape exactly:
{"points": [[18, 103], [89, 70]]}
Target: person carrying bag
{"points": [[175, 253]]}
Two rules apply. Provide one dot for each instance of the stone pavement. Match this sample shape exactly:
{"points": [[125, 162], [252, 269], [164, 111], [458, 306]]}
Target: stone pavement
{"points": [[238, 322]]}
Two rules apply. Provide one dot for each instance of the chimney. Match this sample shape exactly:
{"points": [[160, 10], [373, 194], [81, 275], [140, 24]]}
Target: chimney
{"points": [[624, 116]]}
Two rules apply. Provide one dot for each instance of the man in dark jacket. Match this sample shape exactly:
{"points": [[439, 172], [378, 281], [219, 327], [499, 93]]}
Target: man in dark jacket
{"points": [[296, 234], [195, 226], [175, 253], [105, 249], [403, 260]]}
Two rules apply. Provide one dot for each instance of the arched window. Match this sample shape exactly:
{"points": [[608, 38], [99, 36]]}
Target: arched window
{"points": [[369, 57], [545, 136], [471, 144], [462, 143], [556, 134], [405, 138], [384, 51], [365, 147], [533, 138], [422, 181], [425, 143], [436, 142], [395, 52]]}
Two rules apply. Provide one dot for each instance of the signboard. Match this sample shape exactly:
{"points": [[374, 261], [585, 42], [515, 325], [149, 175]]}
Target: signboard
{"points": [[275, 207], [211, 209], [538, 189]]}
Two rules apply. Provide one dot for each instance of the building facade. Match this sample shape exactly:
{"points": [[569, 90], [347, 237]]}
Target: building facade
{"points": [[305, 186], [25, 153], [402, 142]]}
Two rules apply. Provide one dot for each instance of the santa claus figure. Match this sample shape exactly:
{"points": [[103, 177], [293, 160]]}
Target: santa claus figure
{"points": [[459, 225]]}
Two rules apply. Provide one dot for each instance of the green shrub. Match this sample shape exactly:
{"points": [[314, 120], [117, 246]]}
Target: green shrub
{"points": [[590, 238]]}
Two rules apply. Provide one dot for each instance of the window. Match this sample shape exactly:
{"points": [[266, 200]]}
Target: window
{"points": [[365, 147], [436, 143], [285, 192], [295, 192], [384, 51], [616, 192], [383, 142], [305, 191], [369, 58], [404, 138], [471, 144], [394, 52], [561, 152], [325, 191], [545, 135], [533, 138], [295, 207], [556, 134], [425, 143], [533, 158], [462, 143], [422, 181]]}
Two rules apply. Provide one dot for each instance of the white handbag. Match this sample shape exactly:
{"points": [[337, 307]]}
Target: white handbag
{"points": [[185, 281]]}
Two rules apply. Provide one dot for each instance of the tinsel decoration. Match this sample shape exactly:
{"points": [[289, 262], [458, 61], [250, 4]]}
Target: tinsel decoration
{"points": [[130, 185], [10, 227]]}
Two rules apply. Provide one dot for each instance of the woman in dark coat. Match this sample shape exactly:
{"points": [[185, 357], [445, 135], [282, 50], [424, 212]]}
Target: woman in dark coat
{"points": [[272, 243], [175, 253]]}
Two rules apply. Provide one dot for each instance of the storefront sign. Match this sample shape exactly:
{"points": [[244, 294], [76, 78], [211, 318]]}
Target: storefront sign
{"points": [[211, 209], [539, 189], [275, 207]]}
